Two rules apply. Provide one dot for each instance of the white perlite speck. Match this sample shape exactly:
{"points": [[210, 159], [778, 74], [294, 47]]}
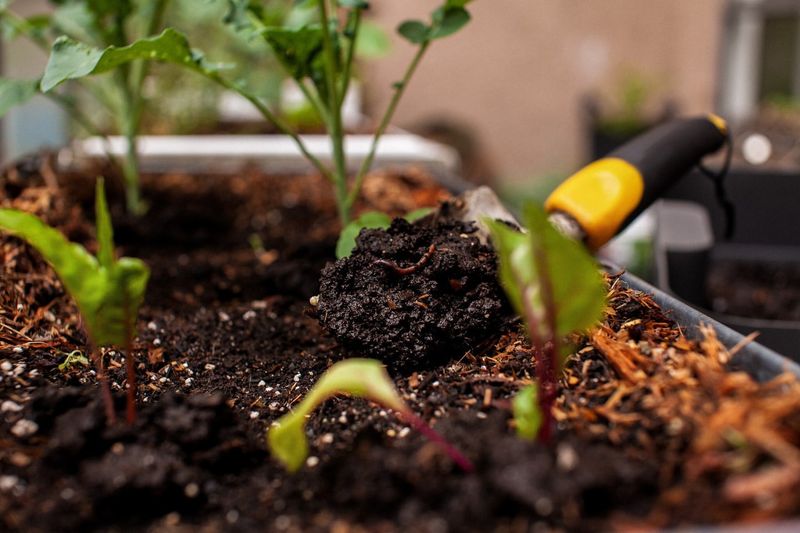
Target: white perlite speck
{"points": [[24, 428], [10, 407]]}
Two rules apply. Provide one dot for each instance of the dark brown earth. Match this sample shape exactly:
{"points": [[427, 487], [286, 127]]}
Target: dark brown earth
{"points": [[413, 320], [755, 289], [653, 430]]}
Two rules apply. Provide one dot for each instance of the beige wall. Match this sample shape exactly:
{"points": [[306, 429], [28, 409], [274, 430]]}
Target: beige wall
{"points": [[519, 71]]}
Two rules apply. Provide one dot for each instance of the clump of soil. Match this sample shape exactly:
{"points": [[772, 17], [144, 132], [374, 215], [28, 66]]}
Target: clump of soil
{"points": [[414, 295]]}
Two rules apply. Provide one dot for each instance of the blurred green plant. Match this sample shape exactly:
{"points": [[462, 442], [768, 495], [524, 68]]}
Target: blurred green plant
{"points": [[318, 55], [108, 291], [76, 26], [556, 287]]}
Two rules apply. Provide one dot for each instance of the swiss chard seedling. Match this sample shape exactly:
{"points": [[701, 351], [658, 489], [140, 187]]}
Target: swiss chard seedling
{"points": [[108, 291], [81, 25], [319, 56], [363, 378], [557, 288]]}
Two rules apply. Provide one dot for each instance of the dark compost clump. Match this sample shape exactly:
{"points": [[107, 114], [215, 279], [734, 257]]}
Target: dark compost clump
{"points": [[447, 302]]}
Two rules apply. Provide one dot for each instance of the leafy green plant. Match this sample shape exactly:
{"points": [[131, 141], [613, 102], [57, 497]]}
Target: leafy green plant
{"points": [[557, 288], [363, 378], [108, 291], [318, 55], [81, 25], [371, 220]]}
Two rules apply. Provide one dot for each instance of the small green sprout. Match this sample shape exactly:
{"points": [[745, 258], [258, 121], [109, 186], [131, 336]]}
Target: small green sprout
{"points": [[557, 288], [75, 357], [527, 416], [371, 220], [108, 291], [363, 378]]}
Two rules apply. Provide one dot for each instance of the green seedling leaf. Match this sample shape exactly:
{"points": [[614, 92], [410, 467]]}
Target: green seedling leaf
{"points": [[371, 220], [371, 41], [347, 238], [108, 292], [73, 358], [416, 214], [527, 416], [414, 31], [297, 49], [16, 92], [447, 21], [354, 4], [363, 378], [543, 255], [71, 59]]}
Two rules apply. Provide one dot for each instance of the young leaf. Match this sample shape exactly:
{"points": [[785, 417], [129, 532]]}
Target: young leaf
{"points": [[372, 220], [347, 238], [447, 21], [414, 31], [296, 49], [16, 92], [543, 255], [71, 59], [108, 294], [354, 4], [527, 416], [364, 378], [105, 232]]}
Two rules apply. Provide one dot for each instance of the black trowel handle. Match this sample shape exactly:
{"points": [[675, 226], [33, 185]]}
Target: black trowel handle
{"points": [[606, 195]]}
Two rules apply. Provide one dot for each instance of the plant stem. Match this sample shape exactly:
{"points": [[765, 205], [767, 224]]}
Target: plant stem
{"points": [[335, 117], [351, 52], [387, 117], [271, 117], [105, 389], [456, 456], [547, 365]]}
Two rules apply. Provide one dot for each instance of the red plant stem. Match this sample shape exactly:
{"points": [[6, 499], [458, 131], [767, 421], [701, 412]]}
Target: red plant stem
{"points": [[404, 271], [547, 365], [105, 389], [130, 404], [456, 456]]}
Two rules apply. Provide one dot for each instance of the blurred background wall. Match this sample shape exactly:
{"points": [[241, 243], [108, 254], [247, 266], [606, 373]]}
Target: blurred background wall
{"points": [[520, 73]]}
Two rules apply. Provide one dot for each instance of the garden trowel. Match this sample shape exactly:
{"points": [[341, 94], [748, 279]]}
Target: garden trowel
{"points": [[601, 199]]}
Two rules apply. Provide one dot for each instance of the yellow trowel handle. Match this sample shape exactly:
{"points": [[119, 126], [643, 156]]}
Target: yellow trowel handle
{"points": [[603, 197]]}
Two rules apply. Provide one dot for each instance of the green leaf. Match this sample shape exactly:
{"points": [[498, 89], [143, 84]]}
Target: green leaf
{"points": [[447, 21], [108, 295], [76, 267], [71, 59], [16, 92], [296, 49], [363, 378], [347, 238], [416, 214], [372, 42], [414, 31], [354, 4], [73, 358], [105, 233], [527, 416], [545, 256]]}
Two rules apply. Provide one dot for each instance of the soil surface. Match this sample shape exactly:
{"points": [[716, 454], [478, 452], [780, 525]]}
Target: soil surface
{"points": [[653, 430], [755, 290]]}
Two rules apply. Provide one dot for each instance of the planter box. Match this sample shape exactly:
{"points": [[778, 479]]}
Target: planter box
{"points": [[765, 233], [275, 153]]}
